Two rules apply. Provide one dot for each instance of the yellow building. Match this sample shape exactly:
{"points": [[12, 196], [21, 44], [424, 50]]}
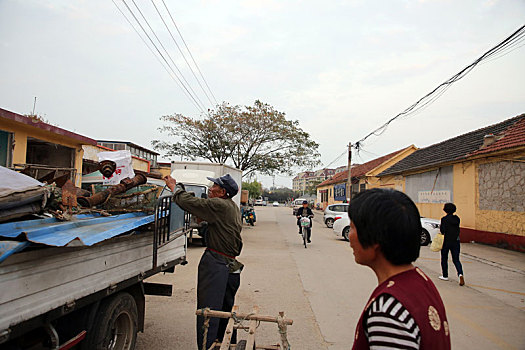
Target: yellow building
{"points": [[481, 172], [39, 148], [364, 176]]}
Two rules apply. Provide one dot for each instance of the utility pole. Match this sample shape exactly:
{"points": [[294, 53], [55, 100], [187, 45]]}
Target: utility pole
{"points": [[349, 180]]}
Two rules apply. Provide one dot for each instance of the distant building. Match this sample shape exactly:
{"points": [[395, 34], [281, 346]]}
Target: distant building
{"points": [[304, 180], [364, 176], [136, 150]]}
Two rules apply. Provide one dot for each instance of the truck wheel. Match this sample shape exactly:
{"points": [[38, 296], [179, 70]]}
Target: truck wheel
{"points": [[116, 324]]}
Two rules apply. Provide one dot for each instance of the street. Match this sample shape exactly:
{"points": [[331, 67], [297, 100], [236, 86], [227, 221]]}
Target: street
{"points": [[324, 291]]}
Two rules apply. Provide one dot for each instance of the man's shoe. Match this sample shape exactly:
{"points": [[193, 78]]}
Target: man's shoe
{"points": [[309, 241], [461, 280], [443, 278]]}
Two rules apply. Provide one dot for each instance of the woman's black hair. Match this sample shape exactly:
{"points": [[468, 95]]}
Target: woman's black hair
{"points": [[389, 218], [449, 208]]}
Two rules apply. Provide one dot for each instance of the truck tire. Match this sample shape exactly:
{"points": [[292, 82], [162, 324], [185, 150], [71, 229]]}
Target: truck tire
{"points": [[116, 324]]}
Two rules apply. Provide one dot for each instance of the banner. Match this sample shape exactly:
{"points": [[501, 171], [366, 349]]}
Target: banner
{"points": [[340, 192]]}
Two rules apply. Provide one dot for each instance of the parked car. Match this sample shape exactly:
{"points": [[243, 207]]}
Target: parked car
{"points": [[259, 202], [332, 211], [430, 228], [275, 204], [341, 225]]}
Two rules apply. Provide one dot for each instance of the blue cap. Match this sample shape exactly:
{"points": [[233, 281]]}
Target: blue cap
{"points": [[226, 182]]}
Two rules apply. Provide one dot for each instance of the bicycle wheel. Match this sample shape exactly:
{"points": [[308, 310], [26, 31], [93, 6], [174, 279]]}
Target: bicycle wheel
{"points": [[305, 235]]}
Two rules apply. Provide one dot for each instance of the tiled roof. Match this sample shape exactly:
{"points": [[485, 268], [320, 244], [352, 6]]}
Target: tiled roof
{"points": [[463, 146], [514, 136], [359, 170]]}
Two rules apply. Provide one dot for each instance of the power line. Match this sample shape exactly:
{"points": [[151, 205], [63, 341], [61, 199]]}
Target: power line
{"points": [[337, 158], [167, 53], [187, 48], [182, 53], [509, 42], [172, 74], [157, 57]]}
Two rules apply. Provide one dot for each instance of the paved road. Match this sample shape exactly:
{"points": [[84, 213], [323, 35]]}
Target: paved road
{"points": [[323, 291]]}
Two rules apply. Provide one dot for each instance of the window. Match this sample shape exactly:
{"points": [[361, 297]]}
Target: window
{"points": [[362, 187]]}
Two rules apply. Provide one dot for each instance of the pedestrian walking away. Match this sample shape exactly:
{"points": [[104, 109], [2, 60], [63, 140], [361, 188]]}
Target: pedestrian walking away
{"points": [[310, 214], [450, 229], [219, 271], [385, 232]]}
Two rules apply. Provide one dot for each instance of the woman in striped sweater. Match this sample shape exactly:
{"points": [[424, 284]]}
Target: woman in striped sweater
{"points": [[405, 311]]}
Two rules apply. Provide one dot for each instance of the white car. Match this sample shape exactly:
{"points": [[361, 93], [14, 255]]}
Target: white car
{"points": [[341, 225], [275, 204], [430, 228]]}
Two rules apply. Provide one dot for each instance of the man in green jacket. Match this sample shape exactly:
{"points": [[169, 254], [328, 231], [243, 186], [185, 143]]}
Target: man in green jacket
{"points": [[219, 270]]}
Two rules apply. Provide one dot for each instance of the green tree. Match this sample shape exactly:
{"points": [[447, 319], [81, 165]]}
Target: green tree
{"points": [[254, 138], [254, 187], [311, 189], [278, 194]]}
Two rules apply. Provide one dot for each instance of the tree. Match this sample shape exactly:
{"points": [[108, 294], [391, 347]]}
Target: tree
{"points": [[278, 194], [254, 187], [254, 138], [311, 189]]}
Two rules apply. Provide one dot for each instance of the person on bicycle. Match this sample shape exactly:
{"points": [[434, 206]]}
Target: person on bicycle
{"points": [[310, 214]]}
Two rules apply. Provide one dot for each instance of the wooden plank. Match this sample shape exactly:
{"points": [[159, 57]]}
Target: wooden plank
{"points": [[252, 327], [225, 345]]}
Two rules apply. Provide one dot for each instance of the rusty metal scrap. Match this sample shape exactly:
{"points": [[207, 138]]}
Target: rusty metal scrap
{"points": [[107, 167], [101, 197]]}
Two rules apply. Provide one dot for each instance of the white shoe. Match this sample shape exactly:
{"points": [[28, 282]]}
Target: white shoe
{"points": [[443, 278]]}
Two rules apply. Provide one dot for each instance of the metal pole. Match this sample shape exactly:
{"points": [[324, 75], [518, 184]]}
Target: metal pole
{"points": [[349, 180]]}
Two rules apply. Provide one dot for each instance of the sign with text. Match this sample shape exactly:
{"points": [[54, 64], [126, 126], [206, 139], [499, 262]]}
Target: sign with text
{"points": [[433, 196], [340, 192]]}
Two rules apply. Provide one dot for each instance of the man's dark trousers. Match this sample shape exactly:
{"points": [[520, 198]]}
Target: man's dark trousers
{"points": [[216, 289]]}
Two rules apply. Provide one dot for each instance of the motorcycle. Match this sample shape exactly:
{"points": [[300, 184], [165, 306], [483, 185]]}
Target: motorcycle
{"points": [[249, 216]]}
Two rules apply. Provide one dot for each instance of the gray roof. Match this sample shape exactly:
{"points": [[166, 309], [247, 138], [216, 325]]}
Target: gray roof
{"points": [[451, 150]]}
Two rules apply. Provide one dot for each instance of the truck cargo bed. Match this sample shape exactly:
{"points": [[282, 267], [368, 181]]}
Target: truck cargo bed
{"points": [[34, 282]]}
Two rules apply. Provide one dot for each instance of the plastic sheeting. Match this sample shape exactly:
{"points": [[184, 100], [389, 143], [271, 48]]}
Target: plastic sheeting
{"points": [[83, 230], [13, 182]]}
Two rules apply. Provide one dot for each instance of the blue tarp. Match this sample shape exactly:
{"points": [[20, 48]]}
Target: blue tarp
{"points": [[82, 230]]}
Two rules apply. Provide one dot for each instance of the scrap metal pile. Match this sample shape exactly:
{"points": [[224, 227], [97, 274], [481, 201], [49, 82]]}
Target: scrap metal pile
{"points": [[21, 195]]}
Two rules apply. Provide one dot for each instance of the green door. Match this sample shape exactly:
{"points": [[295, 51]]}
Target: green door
{"points": [[5, 150]]}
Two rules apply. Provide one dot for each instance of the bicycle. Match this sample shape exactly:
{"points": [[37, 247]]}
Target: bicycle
{"points": [[305, 226]]}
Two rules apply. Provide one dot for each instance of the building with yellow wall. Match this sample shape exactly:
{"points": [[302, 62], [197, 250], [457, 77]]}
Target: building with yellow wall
{"points": [[364, 176], [39, 148], [482, 172]]}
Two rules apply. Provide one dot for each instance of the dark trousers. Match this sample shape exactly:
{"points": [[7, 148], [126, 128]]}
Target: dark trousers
{"points": [[216, 289], [454, 249]]}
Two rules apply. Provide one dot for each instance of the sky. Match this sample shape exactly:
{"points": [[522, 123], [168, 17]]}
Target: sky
{"points": [[341, 68]]}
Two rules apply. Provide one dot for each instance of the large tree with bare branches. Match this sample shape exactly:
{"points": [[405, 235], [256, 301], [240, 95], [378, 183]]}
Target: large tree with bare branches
{"points": [[254, 138]]}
